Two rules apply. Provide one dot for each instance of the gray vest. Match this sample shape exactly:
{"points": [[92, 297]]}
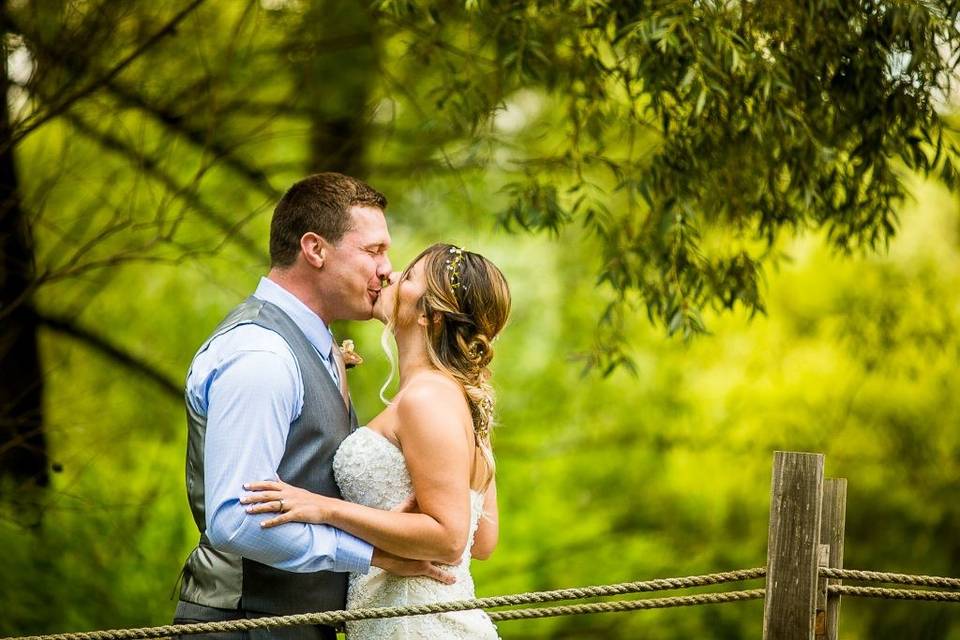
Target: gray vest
{"points": [[227, 581]]}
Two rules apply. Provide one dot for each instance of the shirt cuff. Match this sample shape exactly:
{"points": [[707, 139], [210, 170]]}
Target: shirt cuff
{"points": [[353, 555]]}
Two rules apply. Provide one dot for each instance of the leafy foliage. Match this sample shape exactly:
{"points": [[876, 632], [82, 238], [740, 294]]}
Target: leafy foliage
{"points": [[684, 159], [745, 120]]}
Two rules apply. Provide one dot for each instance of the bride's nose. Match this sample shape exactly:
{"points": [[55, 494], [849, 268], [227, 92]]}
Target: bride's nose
{"points": [[391, 279]]}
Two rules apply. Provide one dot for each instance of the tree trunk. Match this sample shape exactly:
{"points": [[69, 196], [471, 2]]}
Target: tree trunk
{"points": [[337, 95], [23, 445]]}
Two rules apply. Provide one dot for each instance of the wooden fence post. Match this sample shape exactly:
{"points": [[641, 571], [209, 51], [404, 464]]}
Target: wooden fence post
{"points": [[793, 539], [833, 521]]}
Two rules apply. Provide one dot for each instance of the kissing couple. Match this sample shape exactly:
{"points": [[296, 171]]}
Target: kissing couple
{"points": [[300, 509]]}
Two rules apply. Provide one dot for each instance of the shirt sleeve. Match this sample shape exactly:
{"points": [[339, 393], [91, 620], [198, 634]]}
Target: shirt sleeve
{"points": [[252, 396]]}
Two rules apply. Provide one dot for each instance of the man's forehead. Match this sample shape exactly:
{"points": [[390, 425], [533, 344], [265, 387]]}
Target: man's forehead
{"points": [[369, 224]]}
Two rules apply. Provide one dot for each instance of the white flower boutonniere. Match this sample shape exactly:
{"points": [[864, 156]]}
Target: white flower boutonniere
{"points": [[350, 357]]}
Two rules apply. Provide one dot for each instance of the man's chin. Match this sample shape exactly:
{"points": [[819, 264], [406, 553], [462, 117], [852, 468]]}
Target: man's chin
{"points": [[360, 314], [369, 315]]}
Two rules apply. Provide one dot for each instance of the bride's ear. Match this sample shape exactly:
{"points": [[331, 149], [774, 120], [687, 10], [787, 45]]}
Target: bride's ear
{"points": [[422, 318]]}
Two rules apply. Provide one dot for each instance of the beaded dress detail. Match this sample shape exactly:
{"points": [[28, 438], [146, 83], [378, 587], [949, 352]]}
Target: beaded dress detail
{"points": [[371, 471]]}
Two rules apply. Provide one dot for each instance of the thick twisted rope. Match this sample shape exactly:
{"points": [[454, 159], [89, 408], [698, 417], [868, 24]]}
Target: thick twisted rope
{"points": [[628, 605], [894, 594], [897, 578], [662, 584], [336, 617]]}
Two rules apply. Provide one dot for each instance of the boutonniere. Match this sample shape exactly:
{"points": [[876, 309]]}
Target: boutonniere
{"points": [[350, 357]]}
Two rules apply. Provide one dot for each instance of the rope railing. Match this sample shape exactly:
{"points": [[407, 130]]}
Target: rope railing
{"points": [[887, 593], [539, 597], [806, 531], [896, 578], [894, 594], [616, 606], [536, 597]]}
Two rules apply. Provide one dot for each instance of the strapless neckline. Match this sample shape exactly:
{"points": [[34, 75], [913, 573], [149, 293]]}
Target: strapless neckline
{"points": [[394, 445], [382, 437]]}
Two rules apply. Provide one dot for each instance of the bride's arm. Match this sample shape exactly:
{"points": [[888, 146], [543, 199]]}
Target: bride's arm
{"points": [[437, 452], [488, 531]]}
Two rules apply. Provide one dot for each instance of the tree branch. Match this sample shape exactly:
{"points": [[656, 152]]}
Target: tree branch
{"points": [[107, 78], [198, 136], [163, 114], [151, 167], [69, 327]]}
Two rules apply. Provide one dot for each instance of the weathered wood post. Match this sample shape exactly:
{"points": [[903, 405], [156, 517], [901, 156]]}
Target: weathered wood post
{"points": [[833, 521], [793, 539]]}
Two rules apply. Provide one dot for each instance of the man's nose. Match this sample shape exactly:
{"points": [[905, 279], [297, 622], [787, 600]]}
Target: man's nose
{"points": [[384, 269]]}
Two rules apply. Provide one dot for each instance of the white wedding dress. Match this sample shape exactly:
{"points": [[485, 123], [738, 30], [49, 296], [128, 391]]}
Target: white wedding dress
{"points": [[371, 471]]}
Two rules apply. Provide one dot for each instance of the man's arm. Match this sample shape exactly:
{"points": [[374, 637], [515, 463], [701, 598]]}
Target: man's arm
{"points": [[252, 396]]}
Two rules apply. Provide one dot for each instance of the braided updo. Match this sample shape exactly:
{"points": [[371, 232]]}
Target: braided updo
{"points": [[467, 300]]}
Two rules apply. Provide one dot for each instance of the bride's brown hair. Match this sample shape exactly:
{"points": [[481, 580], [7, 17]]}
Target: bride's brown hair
{"points": [[466, 303]]}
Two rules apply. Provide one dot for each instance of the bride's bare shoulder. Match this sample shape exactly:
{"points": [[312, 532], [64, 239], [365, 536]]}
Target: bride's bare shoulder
{"points": [[432, 394]]}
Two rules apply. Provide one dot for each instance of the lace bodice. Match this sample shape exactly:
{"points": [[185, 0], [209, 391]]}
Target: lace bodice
{"points": [[371, 471]]}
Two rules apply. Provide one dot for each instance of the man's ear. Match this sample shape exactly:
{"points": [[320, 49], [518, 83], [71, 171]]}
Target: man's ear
{"points": [[314, 249]]}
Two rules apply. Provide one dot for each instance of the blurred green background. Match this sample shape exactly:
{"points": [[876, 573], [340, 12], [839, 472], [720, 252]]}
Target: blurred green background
{"points": [[149, 197]]}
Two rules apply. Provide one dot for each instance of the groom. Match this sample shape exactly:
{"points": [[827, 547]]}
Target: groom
{"points": [[267, 396]]}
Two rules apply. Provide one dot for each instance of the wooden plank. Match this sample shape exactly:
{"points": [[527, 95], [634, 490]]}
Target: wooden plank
{"points": [[833, 522], [796, 499], [823, 560]]}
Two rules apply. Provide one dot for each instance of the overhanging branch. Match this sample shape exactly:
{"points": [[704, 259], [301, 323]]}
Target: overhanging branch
{"points": [[127, 360], [107, 78]]}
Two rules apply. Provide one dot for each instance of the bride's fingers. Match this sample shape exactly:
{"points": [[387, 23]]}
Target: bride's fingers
{"points": [[280, 519], [261, 496], [264, 485], [265, 507]]}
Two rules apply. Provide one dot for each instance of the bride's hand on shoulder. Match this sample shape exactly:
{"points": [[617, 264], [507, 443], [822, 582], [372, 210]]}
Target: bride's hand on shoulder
{"points": [[291, 504]]}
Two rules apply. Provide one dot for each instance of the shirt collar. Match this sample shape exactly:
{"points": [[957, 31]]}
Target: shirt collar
{"points": [[310, 323]]}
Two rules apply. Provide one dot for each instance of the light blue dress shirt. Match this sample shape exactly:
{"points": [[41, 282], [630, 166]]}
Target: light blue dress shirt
{"points": [[248, 385]]}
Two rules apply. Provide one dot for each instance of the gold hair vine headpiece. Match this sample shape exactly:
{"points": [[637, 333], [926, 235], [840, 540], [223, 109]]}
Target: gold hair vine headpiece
{"points": [[485, 410], [454, 264]]}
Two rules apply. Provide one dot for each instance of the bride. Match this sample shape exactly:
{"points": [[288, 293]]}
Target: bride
{"points": [[430, 448]]}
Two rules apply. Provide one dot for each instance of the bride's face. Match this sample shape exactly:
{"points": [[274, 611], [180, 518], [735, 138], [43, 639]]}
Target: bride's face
{"points": [[403, 294]]}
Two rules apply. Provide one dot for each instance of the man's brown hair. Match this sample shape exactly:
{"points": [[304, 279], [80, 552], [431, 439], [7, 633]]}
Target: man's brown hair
{"points": [[320, 204]]}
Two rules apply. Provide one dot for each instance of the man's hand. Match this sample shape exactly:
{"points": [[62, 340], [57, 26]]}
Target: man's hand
{"points": [[406, 567]]}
